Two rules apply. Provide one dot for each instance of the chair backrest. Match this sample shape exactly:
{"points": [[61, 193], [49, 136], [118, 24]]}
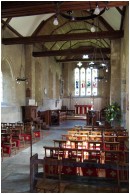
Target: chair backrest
{"points": [[90, 170], [67, 168], [51, 168]]}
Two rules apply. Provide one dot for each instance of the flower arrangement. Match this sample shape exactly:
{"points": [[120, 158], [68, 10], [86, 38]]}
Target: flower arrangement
{"points": [[113, 112]]}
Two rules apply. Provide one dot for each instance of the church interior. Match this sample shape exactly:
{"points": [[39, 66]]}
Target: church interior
{"points": [[64, 96]]}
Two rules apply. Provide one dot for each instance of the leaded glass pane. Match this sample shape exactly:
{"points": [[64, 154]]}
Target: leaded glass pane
{"points": [[94, 82], [77, 82], [82, 78], [88, 81]]}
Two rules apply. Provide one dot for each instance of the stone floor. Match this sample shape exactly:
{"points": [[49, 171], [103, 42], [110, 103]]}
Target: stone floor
{"points": [[15, 170]]}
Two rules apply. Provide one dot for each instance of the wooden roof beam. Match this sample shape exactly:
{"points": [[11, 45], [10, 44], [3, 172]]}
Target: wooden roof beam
{"points": [[23, 8], [12, 29], [6, 22], [105, 23], [82, 60], [63, 37], [71, 52]]}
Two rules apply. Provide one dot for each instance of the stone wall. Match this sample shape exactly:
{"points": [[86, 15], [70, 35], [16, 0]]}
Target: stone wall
{"points": [[42, 73]]}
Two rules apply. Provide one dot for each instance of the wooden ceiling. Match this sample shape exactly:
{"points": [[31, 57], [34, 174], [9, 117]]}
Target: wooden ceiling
{"points": [[70, 39]]}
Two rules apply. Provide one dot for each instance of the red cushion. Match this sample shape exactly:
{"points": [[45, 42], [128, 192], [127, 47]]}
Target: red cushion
{"points": [[37, 133], [17, 142], [7, 149]]}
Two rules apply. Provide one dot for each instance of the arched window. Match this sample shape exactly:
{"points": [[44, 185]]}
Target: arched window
{"points": [[85, 82]]}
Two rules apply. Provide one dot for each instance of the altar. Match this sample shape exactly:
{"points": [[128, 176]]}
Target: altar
{"points": [[82, 109]]}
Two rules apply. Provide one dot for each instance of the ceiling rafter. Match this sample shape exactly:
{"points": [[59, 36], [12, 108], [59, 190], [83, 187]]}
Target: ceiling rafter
{"points": [[119, 10], [12, 29], [40, 27], [64, 37], [6, 22], [17, 9], [81, 59], [71, 52], [105, 23]]}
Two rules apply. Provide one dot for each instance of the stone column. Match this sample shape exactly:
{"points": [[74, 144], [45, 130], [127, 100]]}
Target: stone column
{"points": [[115, 82]]}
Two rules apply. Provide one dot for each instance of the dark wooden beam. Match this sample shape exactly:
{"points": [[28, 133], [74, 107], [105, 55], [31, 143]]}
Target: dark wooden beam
{"points": [[82, 60], [23, 8], [41, 25], [71, 52], [6, 22], [64, 37], [119, 10], [122, 18], [105, 23], [12, 29], [37, 30]]}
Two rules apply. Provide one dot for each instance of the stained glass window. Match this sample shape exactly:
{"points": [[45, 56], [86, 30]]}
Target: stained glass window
{"points": [[85, 82]]}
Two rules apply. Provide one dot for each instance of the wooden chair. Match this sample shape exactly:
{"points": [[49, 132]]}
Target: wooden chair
{"points": [[16, 135], [112, 156], [8, 145], [93, 145], [66, 168], [89, 170], [109, 136], [111, 145], [51, 179]]}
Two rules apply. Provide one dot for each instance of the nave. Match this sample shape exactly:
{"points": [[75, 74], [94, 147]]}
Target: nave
{"points": [[15, 170]]}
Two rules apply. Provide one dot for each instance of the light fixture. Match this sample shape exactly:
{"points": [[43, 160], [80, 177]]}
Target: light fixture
{"points": [[97, 53], [93, 29], [91, 13], [79, 64], [97, 10], [21, 77], [85, 57], [55, 22]]}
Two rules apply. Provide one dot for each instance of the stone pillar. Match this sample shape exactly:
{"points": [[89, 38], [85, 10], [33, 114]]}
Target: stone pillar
{"points": [[115, 82]]}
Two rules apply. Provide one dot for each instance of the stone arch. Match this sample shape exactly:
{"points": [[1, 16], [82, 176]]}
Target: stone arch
{"points": [[8, 80]]}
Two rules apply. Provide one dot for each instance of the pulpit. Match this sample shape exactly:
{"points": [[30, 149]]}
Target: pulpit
{"points": [[82, 109], [92, 116]]}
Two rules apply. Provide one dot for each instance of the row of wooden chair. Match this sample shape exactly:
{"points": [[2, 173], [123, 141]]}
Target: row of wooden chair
{"points": [[102, 156], [98, 132], [57, 172], [14, 135]]}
